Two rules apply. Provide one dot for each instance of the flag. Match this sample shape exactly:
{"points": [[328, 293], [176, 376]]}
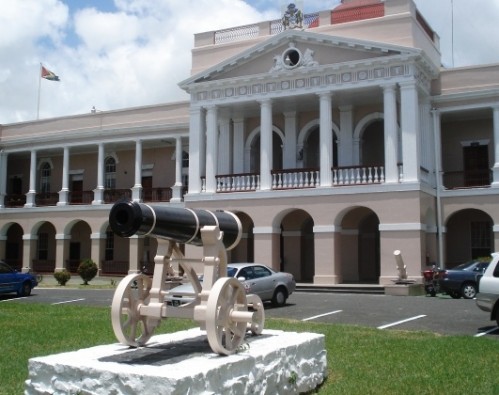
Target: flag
{"points": [[48, 75]]}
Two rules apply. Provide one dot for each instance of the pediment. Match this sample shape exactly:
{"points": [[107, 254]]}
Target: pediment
{"points": [[298, 50]]}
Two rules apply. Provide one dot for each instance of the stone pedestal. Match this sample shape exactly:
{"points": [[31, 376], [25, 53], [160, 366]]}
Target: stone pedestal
{"points": [[405, 290], [275, 362]]}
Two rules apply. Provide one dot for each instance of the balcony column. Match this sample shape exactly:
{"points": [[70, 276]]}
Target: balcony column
{"points": [[266, 144], [224, 146], [99, 191], [495, 169], [196, 148], [390, 133], [345, 148], [326, 139], [3, 178], [64, 192], [437, 154], [211, 148], [290, 147], [410, 130], [177, 187], [30, 196], [137, 188], [238, 146]]}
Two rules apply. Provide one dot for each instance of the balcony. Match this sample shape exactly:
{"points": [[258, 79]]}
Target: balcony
{"points": [[467, 179]]}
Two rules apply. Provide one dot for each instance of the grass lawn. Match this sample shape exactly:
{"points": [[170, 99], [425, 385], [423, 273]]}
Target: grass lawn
{"points": [[360, 360]]}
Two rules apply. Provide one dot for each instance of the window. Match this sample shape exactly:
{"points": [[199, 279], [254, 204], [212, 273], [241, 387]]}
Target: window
{"points": [[45, 173], [261, 271], [109, 246], [110, 173], [476, 165], [43, 246], [481, 239]]}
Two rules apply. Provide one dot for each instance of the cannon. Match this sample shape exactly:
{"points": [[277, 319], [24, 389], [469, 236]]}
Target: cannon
{"points": [[218, 303]]}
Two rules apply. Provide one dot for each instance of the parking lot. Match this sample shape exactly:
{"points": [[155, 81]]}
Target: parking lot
{"points": [[440, 314]]}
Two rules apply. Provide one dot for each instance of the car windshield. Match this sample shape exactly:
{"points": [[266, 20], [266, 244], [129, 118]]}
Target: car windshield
{"points": [[231, 271]]}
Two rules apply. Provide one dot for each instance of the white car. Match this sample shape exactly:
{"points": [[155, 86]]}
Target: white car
{"points": [[256, 278], [488, 297]]}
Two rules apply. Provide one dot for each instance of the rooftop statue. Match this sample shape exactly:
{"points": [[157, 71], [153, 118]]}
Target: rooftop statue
{"points": [[292, 18]]}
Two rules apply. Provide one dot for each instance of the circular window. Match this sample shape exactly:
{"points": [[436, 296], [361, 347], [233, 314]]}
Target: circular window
{"points": [[291, 58]]}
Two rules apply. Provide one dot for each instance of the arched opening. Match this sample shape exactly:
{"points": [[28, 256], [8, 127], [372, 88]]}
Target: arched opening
{"points": [[277, 148], [360, 246], [80, 247], [297, 246], [469, 235], [14, 247], [44, 257], [311, 149], [373, 146]]}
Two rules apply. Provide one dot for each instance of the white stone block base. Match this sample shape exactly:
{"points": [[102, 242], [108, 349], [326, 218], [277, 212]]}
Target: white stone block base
{"points": [[275, 362]]}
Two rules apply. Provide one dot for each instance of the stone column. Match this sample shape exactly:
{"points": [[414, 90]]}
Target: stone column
{"points": [[177, 187], [327, 255], [266, 144], [326, 139], [345, 148], [97, 241], [61, 251], [211, 148], [196, 148], [3, 178], [238, 146], [410, 131], [30, 196], [137, 188], [99, 191], [437, 154], [29, 251], [495, 169], [64, 192], [390, 133], [224, 147], [266, 245], [136, 247], [290, 147]]}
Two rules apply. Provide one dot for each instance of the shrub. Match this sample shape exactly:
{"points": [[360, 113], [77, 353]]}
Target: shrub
{"points": [[62, 277], [87, 270]]}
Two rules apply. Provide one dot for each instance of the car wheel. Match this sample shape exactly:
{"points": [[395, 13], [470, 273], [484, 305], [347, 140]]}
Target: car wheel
{"points": [[455, 295], [468, 291], [497, 317], [280, 296], [25, 290]]}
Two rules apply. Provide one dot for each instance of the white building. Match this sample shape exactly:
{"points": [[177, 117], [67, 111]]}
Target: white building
{"points": [[335, 143]]}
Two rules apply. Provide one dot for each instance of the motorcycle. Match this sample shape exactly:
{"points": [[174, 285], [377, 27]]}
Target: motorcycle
{"points": [[432, 280]]}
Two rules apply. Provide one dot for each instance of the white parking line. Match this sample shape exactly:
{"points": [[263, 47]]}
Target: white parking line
{"points": [[8, 300], [487, 332], [68, 301], [321, 315], [401, 322]]}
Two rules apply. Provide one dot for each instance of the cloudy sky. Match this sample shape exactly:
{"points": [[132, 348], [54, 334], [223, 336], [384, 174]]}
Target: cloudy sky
{"points": [[114, 54]]}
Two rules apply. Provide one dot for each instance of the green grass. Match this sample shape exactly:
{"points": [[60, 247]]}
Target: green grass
{"points": [[360, 360]]}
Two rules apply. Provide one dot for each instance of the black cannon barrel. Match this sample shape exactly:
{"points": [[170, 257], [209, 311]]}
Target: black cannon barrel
{"points": [[182, 225]]}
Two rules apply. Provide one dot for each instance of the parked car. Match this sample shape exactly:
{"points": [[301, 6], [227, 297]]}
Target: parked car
{"points": [[256, 278], [488, 297], [13, 281], [462, 280]]}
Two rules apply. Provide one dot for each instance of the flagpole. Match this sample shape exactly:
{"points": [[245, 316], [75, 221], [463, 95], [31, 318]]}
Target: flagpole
{"points": [[39, 87]]}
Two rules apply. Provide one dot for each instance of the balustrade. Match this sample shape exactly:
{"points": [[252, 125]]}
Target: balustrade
{"points": [[295, 178], [355, 175]]}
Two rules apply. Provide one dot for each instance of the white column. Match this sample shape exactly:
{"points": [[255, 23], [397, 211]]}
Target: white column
{"points": [[99, 191], [63, 193], [345, 148], [224, 146], [177, 188], [238, 146], [3, 177], [326, 139], [30, 196], [410, 131], [437, 143], [196, 149], [211, 148], [390, 133], [495, 169], [137, 188], [266, 144], [290, 147]]}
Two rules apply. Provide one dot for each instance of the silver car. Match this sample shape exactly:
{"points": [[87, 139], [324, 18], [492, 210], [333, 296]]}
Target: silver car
{"points": [[256, 278]]}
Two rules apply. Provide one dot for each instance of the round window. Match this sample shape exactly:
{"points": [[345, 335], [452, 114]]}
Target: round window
{"points": [[291, 58]]}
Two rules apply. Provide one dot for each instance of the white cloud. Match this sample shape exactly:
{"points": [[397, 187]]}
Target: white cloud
{"points": [[136, 52]]}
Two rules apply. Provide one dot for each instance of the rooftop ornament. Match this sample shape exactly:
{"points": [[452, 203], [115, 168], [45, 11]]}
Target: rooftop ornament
{"points": [[292, 18]]}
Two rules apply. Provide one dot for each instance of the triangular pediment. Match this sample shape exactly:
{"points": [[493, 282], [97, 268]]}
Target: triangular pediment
{"points": [[298, 50]]}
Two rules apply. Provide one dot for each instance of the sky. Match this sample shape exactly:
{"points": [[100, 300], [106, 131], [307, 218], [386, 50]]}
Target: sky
{"points": [[114, 54]]}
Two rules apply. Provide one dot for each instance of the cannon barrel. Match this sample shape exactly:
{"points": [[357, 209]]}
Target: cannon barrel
{"points": [[182, 225]]}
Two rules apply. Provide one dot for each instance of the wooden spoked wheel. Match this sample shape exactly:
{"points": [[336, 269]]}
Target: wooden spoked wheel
{"points": [[129, 326], [226, 316], [256, 325]]}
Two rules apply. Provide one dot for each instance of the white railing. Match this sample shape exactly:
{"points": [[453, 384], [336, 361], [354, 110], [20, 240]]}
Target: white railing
{"points": [[295, 178], [358, 175], [238, 182]]}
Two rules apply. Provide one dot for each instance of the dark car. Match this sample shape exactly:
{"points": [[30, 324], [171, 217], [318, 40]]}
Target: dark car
{"points": [[463, 279], [13, 281]]}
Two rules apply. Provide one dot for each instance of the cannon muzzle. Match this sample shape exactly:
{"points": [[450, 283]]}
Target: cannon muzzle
{"points": [[182, 225]]}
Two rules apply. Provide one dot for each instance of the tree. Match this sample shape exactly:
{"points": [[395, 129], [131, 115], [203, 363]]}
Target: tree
{"points": [[87, 270]]}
